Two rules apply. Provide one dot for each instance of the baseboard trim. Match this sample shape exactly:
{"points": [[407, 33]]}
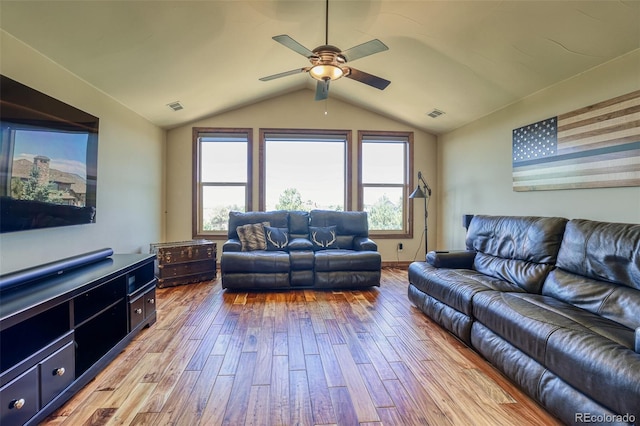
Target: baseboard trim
{"points": [[402, 264]]}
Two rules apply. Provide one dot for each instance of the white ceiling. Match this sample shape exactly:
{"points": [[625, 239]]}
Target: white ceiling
{"points": [[466, 58]]}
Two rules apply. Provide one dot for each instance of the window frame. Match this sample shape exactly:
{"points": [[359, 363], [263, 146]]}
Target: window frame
{"points": [[197, 184], [407, 204], [264, 132]]}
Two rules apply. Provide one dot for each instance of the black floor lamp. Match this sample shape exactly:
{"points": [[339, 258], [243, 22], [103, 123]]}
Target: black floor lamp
{"points": [[425, 193]]}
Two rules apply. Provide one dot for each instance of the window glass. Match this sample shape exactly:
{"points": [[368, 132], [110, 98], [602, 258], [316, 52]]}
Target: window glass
{"points": [[217, 202], [304, 171], [384, 179], [222, 181], [383, 162], [384, 207]]}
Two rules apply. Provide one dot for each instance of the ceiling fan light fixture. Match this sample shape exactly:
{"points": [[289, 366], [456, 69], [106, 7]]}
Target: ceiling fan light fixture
{"points": [[323, 72], [329, 62]]}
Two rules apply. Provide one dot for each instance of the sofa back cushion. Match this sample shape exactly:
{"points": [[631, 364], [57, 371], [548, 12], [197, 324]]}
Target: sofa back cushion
{"points": [[518, 249], [277, 219], [348, 225], [599, 270], [299, 224]]}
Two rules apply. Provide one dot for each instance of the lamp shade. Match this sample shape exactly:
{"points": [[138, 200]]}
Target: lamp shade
{"points": [[324, 72], [418, 193]]}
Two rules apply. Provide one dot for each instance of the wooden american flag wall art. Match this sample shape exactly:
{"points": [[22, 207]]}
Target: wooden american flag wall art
{"points": [[593, 147]]}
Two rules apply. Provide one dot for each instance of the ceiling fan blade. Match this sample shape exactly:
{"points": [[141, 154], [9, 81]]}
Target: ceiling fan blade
{"points": [[284, 74], [364, 49], [322, 90], [287, 41], [371, 80]]}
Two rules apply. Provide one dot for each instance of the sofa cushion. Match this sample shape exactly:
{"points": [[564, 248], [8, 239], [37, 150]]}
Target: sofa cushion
{"points": [[278, 218], [276, 238], [347, 260], [599, 270], [301, 260], [451, 319], [527, 320], [300, 244], [591, 353], [323, 237], [602, 251], [557, 397], [521, 250], [527, 275], [252, 236], [348, 225], [255, 262], [596, 366], [298, 224], [455, 287], [615, 302]]}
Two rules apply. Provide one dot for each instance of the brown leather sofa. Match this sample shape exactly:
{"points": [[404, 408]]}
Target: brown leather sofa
{"points": [[320, 249], [554, 304]]}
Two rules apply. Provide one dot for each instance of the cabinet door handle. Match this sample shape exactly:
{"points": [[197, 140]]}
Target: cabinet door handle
{"points": [[17, 404], [59, 371], [138, 311], [152, 301]]}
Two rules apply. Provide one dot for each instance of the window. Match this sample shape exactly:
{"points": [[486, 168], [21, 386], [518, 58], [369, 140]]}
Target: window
{"points": [[304, 169], [222, 177], [383, 180]]}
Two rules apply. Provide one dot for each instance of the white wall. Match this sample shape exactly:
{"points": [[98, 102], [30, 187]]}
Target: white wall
{"points": [[475, 160], [297, 110], [130, 170]]}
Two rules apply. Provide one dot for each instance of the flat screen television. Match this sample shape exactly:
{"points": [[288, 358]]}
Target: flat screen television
{"points": [[48, 160]]}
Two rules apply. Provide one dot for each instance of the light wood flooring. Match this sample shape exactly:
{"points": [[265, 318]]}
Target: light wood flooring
{"points": [[297, 358]]}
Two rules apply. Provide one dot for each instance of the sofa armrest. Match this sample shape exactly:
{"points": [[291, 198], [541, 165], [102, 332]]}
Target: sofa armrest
{"points": [[451, 259], [299, 244], [364, 244], [232, 245], [638, 340]]}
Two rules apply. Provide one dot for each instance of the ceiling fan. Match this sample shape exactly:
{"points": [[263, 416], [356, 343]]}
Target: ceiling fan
{"points": [[329, 62]]}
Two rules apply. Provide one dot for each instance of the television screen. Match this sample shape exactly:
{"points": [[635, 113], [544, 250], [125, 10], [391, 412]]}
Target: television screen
{"points": [[48, 160]]}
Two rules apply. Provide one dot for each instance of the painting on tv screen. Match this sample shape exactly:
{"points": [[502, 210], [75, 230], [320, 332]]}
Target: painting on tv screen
{"points": [[48, 160]]}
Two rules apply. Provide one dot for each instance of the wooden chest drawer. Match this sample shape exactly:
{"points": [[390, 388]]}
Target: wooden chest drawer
{"points": [[184, 262]]}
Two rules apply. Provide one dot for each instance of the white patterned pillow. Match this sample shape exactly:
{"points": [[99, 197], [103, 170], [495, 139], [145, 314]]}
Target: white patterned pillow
{"points": [[251, 236]]}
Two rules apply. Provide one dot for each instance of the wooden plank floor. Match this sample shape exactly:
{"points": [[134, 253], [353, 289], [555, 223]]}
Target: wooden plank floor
{"points": [[297, 358]]}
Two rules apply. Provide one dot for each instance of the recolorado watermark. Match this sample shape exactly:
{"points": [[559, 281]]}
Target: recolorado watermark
{"points": [[604, 418]]}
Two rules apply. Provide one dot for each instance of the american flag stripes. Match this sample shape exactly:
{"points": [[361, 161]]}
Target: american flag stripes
{"points": [[593, 147]]}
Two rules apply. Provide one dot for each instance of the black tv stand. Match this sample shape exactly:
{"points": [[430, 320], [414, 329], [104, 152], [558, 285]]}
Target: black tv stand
{"points": [[59, 331]]}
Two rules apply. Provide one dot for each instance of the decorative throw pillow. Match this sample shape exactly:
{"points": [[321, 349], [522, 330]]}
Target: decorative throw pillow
{"points": [[277, 238], [323, 237], [251, 236]]}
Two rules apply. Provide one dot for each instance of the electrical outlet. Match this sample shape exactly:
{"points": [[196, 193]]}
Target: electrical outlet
{"points": [[400, 247]]}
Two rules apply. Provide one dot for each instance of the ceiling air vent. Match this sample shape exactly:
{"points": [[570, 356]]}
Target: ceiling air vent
{"points": [[435, 113], [176, 106]]}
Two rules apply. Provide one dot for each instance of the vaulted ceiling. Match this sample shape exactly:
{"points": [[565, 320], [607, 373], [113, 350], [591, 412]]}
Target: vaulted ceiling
{"points": [[466, 58]]}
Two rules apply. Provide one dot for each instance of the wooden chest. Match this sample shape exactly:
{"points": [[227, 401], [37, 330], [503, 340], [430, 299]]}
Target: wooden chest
{"points": [[184, 262]]}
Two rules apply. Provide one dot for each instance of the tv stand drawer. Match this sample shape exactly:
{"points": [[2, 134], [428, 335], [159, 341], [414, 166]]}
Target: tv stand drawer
{"points": [[57, 372], [19, 398]]}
